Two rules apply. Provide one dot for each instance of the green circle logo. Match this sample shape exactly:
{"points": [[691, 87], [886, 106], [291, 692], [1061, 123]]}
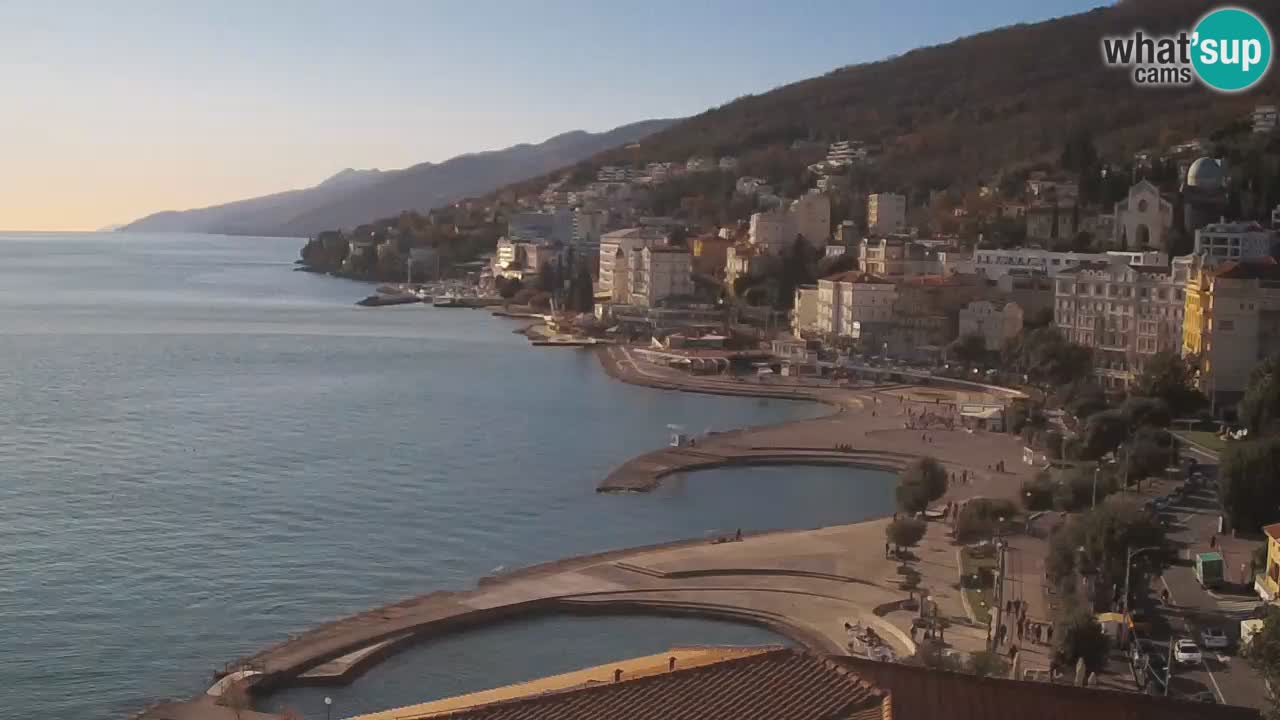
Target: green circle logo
{"points": [[1231, 49]]}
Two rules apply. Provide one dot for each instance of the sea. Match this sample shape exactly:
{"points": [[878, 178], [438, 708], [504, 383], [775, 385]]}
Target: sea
{"points": [[203, 450]]}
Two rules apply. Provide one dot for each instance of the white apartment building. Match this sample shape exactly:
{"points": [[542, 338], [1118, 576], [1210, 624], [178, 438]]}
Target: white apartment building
{"points": [[995, 322], [768, 231], [1125, 312], [620, 244], [995, 264], [851, 301], [747, 185], [616, 174], [658, 273], [886, 213], [804, 310], [897, 258], [728, 163], [1265, 118], [1222, 242]]}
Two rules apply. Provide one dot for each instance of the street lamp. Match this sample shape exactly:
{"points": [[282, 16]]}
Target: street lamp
{"points": [[328, 707], [1128, 563]]}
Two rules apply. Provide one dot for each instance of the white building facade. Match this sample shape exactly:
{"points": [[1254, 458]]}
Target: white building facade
{"points": [[620, 243], [996, 323], [1223, 242]]}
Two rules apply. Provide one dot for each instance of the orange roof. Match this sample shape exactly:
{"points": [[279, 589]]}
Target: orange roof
{"points": [[782, 684], [1272, 530]]}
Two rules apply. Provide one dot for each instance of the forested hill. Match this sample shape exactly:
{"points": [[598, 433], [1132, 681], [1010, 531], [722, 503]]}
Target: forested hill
{"points": [[960, 112]]}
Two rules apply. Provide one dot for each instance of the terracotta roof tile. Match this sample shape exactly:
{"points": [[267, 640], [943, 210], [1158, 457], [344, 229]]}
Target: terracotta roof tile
{"points": [[1272, 530], [783, 684], [918, 693]]}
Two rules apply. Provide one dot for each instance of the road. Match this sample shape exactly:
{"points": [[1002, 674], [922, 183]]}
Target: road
{"points": [[1193, 525]]}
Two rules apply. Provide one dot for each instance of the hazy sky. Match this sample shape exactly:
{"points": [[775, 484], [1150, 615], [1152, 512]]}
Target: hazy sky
{"points": [[114, 110]]}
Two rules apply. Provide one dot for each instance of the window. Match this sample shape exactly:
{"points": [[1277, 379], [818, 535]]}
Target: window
{"points": [[1227, 325]]}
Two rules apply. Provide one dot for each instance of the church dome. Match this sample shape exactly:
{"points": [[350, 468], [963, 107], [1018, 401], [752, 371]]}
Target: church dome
{"points": [[1205, 174]]}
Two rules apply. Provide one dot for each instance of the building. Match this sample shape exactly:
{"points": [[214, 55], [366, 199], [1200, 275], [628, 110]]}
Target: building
{"points": [[810, 217], [620, 243], [710, 254], [1048, 222], [1204, 194], [845, 152], [1143, 220], [589, 225], [994, 264], [1265, 118], [769, 231], [708, 683], [995, 322], [833, 184], [1033, 293], [851, 302], [658, 171], [655, 274], [748, 185], [1231, 322], [920, 693], [1267, 583], [926, 312], [728, 163], [804, 311], [897, 258], [1223, 242], [542, 227], [701, 163], [1125, 312], [886, 213], [615, 174]]}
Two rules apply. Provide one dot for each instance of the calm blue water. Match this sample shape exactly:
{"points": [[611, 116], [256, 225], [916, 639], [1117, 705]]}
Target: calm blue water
{"points": [[201, 451]]}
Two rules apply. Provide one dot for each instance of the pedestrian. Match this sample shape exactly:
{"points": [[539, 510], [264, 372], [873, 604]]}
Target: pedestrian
{"points": [[1021, 627], [1013, 653], [1048, 635], [886, 549], [1213, 541], [738, 536]]}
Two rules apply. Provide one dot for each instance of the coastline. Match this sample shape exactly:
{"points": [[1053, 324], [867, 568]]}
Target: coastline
{"points": [[624, 581]]}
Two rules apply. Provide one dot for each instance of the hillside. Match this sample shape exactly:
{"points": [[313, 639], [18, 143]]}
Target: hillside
{"points": [[959, 113], [354, 196]]}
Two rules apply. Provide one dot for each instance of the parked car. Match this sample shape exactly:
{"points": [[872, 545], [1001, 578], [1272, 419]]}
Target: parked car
{"points": [[1204, 696], [1214, 639], [1186, 652]]}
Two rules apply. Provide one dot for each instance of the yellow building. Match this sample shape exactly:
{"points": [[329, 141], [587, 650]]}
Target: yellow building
{"points": [[1231, 322], [1267, 584]]}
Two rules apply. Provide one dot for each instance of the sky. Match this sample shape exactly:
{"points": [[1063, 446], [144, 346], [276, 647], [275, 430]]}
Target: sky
{"points": [[115, 110]]}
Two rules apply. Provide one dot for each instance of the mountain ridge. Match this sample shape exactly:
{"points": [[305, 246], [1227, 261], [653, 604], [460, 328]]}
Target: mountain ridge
{"points": [[351, 196]]}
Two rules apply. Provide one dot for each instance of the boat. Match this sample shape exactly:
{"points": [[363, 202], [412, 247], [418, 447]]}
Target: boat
{"points": [[380, 300]]}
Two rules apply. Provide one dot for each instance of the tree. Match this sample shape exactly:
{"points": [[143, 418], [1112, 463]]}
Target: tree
{"points": [[905, 532], [1263, 654], [970, 349], [1249, 482], [1166, 376], [1259, 409], [1106, 534], [979, 518], [1037, 493], [1077, 635], [1149, 453], [987, 664], [1049, 359], [920, 483], [1077, 488], [1103, 432], [507, 288], [1082, 398], [1146, 411]]}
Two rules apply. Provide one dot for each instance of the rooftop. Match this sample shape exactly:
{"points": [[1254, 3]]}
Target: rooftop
{"points": [[1272, 530], [774, 683], [857, 276], [1260, 269], [919, 693]]}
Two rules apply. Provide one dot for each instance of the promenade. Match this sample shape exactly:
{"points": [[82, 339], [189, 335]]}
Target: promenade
{"points": [[808, 585]]}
